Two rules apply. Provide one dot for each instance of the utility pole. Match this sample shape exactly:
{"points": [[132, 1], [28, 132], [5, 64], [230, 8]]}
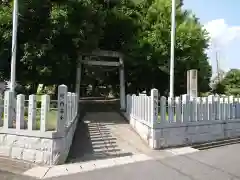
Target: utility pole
{"points": [[218, 71], [173, 29], [14, 45]]}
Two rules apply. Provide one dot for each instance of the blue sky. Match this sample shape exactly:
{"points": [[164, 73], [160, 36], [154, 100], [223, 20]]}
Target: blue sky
{"points": [[222, 20]]}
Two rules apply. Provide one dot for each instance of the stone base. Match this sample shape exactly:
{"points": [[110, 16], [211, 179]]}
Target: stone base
{"points": [[172, 135], [145, 131], [39, 150]]}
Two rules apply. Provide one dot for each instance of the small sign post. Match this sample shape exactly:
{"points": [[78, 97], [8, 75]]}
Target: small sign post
{"points": [[62, 107]]}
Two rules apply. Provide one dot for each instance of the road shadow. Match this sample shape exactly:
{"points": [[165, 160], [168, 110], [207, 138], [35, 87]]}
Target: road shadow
{"points": [[93, 139]]}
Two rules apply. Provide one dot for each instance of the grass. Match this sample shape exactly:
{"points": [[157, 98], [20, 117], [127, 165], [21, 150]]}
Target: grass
{"points": [[51, 119], [51, 116], [166, 118]]}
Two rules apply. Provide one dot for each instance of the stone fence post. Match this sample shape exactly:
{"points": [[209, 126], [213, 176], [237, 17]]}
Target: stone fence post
{"points": [[8, 109], [32, 105], [69, 107], [154, 106], [44, 112], [62, 108], [20, 112]]}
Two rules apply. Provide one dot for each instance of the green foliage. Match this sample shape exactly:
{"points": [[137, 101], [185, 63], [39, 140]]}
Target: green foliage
{"points": [[219, 88], [151, 48], [231, 82], [52, 34]]}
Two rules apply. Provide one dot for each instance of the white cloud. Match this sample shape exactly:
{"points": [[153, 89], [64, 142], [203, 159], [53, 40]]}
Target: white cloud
{"points": [[224, 39], [221, 33]]}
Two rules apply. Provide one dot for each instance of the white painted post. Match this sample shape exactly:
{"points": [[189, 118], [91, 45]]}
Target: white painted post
{"points": [[217, 108], [163, 110], [44, 113], [185, 107], [134, 105], [72, 108], [193, 109], [13, 107], [226, 109], [170, 109], [8, 111], [137, 106], [210, 107], [238, 108], [145, 108], [122, 86], [149, 109], [69, 104], [32, 112], [235, 103], [62, 108], [205, 108], [20, 112], [230, 107], [74, 105], [199, 109], [48, 102], [1, 111], [77, 104], [222, 109], [140, 106], [178, 110], [154, 106]]}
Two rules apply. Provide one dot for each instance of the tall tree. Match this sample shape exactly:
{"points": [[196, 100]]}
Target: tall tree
{"points": [[53, 33], [230, 84], [151, 49]]}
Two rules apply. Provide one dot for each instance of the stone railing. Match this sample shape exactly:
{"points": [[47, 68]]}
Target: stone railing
{"points": [[39, 135], [167, 122]]}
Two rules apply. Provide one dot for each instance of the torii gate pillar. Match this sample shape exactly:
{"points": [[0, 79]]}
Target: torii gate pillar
{"points": [[78, 77], [122, 85]]}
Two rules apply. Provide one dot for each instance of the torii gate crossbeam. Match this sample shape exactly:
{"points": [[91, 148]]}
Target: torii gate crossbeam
{"points": [[119, 63]]}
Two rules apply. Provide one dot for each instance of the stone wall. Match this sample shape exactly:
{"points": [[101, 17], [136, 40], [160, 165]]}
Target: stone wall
{"points": [[144, 130], [167, 122], [188, 134], [50, 148], [184, 134]]}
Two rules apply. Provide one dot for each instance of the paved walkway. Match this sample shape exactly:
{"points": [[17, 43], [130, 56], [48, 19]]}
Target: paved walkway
{"points": [[104, 134], [103, 139]]}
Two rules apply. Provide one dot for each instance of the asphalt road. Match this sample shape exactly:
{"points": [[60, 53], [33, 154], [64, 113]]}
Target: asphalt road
{"points": [[221, 163]]}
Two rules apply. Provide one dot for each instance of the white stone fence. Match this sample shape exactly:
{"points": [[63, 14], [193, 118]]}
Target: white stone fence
{"points": [[165, 122], [26, 135]]}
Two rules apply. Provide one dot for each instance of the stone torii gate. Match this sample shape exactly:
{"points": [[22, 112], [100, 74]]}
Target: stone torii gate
{"points": [[103, 53]]}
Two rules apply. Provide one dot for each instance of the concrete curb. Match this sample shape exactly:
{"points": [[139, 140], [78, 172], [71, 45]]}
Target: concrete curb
{"points": [[68, 169]]}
